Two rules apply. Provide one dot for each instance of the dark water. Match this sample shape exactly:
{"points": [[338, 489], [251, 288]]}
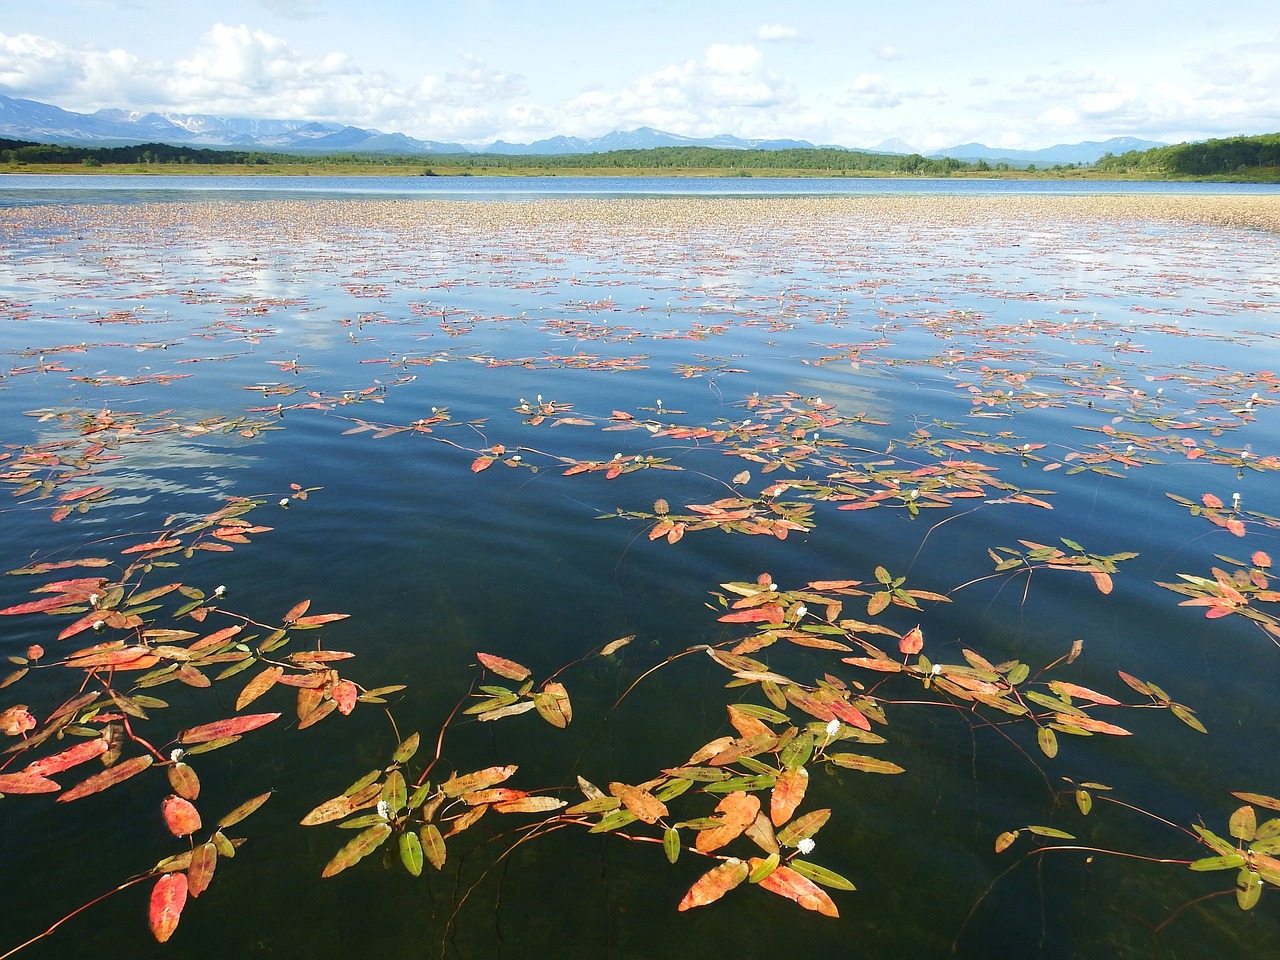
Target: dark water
{"points": [[1047, 334]]}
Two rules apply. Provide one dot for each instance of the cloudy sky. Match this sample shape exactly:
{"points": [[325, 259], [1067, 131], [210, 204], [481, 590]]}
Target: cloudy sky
{"points": [[848, 72]]}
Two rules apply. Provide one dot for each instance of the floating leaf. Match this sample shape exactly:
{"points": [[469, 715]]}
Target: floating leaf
{"points": [[231, 727], [259, 685], [504, 667], [786, 882], [736, 811], [107, 778], [168, 897], [714, 884], [455, 786], [26, 782], [1005, 840], [671, 844], [181, 816], [359, 847], [553, 704], [803, 827], [66, 759], [787, 794], [854, 761], [641, 803], [411, 852], [242, 811], [433, 845], [821, 875], [1048, 741], [911, 642], [204, 860]]}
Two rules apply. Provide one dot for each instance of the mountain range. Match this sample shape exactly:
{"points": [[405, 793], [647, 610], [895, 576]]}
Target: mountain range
{"points": [[46, 123]]}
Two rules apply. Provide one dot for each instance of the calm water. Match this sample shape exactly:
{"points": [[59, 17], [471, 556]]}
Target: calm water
{"points": [[378, 360]]}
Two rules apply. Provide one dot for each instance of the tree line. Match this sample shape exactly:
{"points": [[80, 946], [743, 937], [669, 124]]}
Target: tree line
{"points": [[654, 158], [1234, 155]]}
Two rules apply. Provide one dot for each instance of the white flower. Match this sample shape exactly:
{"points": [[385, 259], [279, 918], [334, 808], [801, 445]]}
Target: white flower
{"points": [[801, 611], [833, 727], [220, 590], [284, 501], [806, 846], [384, 811], [936, 669], [176, 754]]}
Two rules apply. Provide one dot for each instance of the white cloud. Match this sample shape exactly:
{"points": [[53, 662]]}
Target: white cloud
{"points": [[888, 53], [776, 33], [730, 90]]}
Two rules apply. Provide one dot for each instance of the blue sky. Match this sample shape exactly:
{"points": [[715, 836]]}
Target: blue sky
{"points": [[849, 72]]}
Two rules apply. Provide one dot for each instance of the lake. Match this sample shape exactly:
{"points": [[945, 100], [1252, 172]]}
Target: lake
{"points": [[1046, 408]]}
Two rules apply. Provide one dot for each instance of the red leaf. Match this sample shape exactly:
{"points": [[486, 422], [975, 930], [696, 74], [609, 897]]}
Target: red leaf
{"points": [[107, 778], [768, 613], [181, 816], [296, 611], [482, 463], [68, 758], [26, 782], [225, 728], [788, 791], [39, 606], [316, 620], [168, 897], [345, 695]]}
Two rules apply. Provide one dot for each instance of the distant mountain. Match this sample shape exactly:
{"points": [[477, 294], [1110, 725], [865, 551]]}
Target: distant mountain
{"points": [[1087, 152], [45, 123], [42, 122], [642, 138]]}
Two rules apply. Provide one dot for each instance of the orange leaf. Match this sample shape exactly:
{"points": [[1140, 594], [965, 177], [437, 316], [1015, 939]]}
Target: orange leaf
{"points": [[504, 667], [204, 859], [168, 897], [225, 728], [850, 714], [912, 641], [259, 685], [737, 811], [482, 463], [642, 803], [315, 620], [788, 791], [181, 816], [785, 882], [714, 884], [297, 610], [39, 606], [1061, 687]]}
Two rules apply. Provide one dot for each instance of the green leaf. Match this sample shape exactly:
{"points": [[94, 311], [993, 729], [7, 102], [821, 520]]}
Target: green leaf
{"points": [[671, 844], [359, 847], [822, 875], [394, 792], [1051, 832], [613, 821], [1084, 800], [1229, 861], [1248, 889], [803, 827], [1048, 741], [763, 868], [411, 852], [1244, 823], [242, 811], [407, 748]]}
